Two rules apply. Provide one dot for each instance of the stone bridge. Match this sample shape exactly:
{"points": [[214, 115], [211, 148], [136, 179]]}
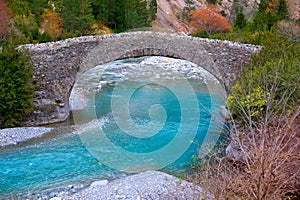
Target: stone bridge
{"points": [[57, 64]]}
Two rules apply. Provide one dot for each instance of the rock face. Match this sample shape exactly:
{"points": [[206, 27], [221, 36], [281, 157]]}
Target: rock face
{"points": [[57, 64], [294, 9], [172, 16], [170, 12]]}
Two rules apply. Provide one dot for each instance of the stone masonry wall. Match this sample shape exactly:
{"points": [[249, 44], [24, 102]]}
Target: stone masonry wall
{"points": [[57, 64]]}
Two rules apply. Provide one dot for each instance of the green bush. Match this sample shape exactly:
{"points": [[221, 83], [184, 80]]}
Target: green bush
{"points": [[16, 92], [273, 75], [250, 103], [240, 20], [66, 35], [212, 1], [244, 36], [27, 26], [45, 37], [202, 34]]}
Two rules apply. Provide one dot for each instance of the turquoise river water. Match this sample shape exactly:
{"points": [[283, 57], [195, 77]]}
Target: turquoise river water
{"points": [[65, 160]]}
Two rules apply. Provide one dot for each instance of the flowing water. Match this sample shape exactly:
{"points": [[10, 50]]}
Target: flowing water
{"points": [[66, 160]]}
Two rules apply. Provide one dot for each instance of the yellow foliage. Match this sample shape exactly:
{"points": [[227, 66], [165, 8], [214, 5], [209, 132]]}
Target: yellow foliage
{"points": [[100, 30], [254, 101], [51, 22]]}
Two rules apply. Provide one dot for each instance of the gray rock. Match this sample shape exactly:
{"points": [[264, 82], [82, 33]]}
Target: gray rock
{"points": [[56, 198], [225, 112], [99, 183]]}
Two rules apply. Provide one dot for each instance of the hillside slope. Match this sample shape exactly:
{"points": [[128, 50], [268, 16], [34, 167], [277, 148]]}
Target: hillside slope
{"points": [[170, 12], [170, 16]]}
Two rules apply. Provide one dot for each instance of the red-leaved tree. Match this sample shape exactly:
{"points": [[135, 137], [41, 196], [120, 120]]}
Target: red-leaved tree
{"points": [[5, 17], [209, 20]]}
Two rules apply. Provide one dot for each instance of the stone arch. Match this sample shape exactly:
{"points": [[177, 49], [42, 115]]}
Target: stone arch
{"points": [[58, 64], [127, 45]]}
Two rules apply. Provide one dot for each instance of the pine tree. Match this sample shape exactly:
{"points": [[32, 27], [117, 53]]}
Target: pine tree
{"points": [[120, 17], [16, 90], [282, 10], [240, 21], [77, 16], [262, 6], [264, 19], [153, 9], [137, 14], [104, 12]]}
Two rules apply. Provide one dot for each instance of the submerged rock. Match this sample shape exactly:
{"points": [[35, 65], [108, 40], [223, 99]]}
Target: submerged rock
{"points": [[99, 183]]}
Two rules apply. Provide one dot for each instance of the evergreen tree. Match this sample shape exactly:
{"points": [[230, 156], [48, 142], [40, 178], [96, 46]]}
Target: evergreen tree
{"points": [[120, 17], [240, 20], [153, 9], [282, 10], [16, 91], [264, 19], [77, 16], [144, 13], [104, 12], [37, 7], [262, 6], [137, 14]]}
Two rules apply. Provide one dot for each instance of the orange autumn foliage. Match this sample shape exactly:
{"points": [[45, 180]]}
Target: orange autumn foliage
{"points": [[272, 5], [209, 20], [51, 22], [5, 17]]}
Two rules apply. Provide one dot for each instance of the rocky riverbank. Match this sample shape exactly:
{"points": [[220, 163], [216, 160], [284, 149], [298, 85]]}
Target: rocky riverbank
{"points": [[13, 136], [145, 185]]}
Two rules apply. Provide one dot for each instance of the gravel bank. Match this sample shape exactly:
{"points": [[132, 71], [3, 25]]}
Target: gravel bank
{"points": [[145, 185], [13, 136]]}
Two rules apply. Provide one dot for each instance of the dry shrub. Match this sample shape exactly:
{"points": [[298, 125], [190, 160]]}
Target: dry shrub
{"points": [[262, 161], [5, 17], [290, 29]]}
